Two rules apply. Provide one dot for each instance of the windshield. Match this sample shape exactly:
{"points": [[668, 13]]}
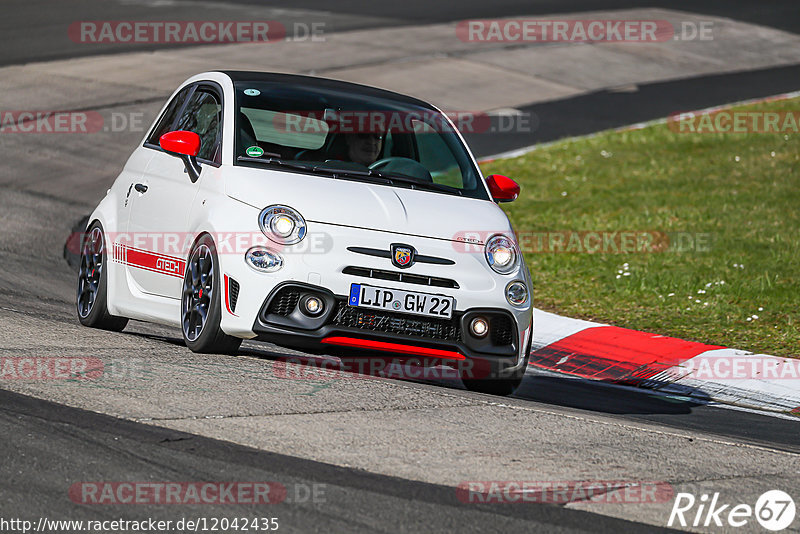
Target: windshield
{"points": [[333, 132]]}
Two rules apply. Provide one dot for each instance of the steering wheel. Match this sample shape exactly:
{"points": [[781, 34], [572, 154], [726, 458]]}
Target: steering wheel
{"points": [[406, 166]]}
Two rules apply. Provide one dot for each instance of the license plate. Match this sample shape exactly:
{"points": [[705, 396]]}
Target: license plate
{"points": [[397, 300]]}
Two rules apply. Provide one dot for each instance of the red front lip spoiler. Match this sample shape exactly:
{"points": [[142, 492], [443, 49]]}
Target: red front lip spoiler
{"points": [[393, 347]]}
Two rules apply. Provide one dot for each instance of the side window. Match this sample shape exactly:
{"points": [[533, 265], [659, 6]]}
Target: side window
{"points": [[170, 114], [203, 116]]}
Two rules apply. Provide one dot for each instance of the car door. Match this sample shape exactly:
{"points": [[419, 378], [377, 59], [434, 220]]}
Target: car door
{"points": [[162, 200]]}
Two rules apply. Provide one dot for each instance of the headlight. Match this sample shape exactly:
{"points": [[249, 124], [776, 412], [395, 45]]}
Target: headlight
{"points": [[501, 254], [263, 259], [516, 293], [282, 224]]}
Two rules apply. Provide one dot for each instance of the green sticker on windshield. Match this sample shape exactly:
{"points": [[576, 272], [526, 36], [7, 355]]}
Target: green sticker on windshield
{"points": [[254, 151], [252, 92]]}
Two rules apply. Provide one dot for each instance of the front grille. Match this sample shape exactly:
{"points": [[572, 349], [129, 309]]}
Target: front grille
{"points": [[395, 276], [233, 294], [502, 330], [397, 323], [285, 301]]}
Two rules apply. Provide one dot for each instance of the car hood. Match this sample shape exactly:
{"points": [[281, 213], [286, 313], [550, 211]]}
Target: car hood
{"points": [[368, 206]]}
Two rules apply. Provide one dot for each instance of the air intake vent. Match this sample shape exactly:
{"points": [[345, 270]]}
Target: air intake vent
{"points": [[285, 301], [233, 293], [502, 330], [397, 323]]}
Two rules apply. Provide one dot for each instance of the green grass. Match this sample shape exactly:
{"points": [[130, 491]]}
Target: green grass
{"points": [[740, 190]]}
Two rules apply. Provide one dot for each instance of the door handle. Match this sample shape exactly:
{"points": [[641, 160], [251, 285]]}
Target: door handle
{"points": [[140, 188]]}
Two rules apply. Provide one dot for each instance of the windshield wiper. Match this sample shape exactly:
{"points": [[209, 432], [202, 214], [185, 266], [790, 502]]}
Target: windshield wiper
{"points": [[391, 178], [275, 161], [402, 178], [339, 170], [367, 174], [332, 172]]}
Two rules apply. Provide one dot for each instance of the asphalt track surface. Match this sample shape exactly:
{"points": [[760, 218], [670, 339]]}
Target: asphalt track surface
{"points": [[34, 29], [603, 110], [46, 446]]}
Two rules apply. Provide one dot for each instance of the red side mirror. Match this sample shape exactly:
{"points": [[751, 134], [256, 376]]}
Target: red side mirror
{"points": [[181, 142], [502, 188]]}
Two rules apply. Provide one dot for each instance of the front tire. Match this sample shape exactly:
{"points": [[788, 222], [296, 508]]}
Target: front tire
{"points": [[497, 380], [494, 386], [201, 309], [92, 290]]}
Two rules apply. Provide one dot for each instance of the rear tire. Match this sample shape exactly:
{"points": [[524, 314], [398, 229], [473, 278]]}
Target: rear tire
{"points": [[92, 290], [201, 308]]}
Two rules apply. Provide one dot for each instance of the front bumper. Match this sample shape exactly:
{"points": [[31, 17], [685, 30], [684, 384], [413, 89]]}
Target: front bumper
{"points": [[326, 260], [349, 331]]}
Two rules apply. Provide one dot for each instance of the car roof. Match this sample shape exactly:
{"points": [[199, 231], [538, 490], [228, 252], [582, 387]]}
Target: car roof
{"points": [[322, 83]]}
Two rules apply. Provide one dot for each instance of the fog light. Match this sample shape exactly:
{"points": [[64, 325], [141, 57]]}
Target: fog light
{"points": [[313, 305], [516, 293], [264, 260], [479, 327]]}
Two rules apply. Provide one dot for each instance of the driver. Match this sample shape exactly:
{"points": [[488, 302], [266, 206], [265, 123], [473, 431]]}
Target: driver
{"points": [[364, 148]]}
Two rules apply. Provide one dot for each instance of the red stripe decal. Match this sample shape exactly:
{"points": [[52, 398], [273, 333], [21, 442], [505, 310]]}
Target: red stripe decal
{"points": [[160, 255], [149, 261], [616, 354], [393, 347]]}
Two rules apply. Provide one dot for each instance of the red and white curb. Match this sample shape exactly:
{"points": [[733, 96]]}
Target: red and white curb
{"points": [[597, 351], [703, 372]]}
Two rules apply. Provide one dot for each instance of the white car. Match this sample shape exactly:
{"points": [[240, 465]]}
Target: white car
{"points": [[314, 214]]}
